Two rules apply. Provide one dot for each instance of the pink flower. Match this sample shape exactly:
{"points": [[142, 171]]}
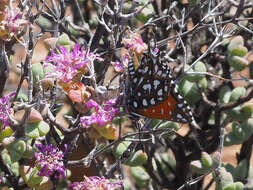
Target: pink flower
{"points": [[96, 183], [67, 64], [12, 23], [118, 66], [134, 43], [125, 58], [49, 160], [103, 115], [5, 109]]}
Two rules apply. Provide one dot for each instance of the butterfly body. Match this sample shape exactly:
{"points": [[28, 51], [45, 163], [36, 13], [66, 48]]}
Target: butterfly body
{"points": [[152, 92]]}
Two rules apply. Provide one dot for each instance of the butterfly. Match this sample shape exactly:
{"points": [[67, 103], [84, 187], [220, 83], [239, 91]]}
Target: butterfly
{"points": [[152, 92]]}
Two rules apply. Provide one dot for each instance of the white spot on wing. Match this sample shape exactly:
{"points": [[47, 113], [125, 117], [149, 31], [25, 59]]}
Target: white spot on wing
{"points": [[147, 87], [144, 102], [140, 81], [160, 92], [179, 116], [156, 83], [152, 101], [131, 68], [135, 80], [135, 104], [156, 68], [180, 105]]}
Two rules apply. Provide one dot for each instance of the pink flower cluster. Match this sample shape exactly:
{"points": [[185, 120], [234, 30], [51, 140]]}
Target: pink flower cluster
{"points": [[103, 115], [67, 64], [12, 22], [119, 66], [49, 160], [5, 109], [96, 183], [135, 43]]}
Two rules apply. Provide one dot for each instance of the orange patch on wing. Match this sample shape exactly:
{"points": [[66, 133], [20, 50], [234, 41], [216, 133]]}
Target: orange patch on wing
{"points": [[163, 110]]}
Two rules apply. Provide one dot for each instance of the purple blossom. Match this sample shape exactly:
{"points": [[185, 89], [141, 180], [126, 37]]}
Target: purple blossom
{"points": [[5, 109], [118, 66], [12, 23], [103, 115], [135, 43], [67, 64], [12, 18], [91, 103], [49, 160], [96, 183], [125, 58]]}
